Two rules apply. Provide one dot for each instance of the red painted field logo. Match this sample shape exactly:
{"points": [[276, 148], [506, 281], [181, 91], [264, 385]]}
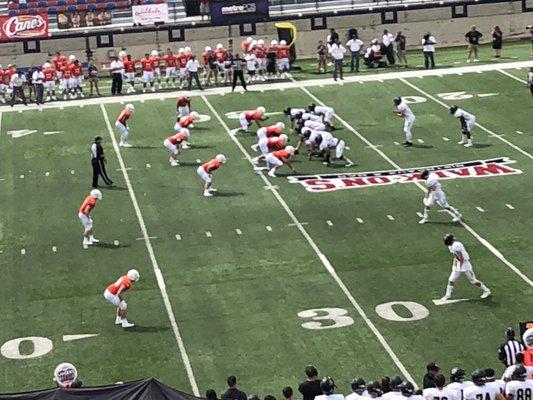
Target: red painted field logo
{"points": [[23, 27], [358, 180]]}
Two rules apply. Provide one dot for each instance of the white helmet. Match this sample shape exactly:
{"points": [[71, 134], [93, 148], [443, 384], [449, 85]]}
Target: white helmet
{"points": [[96, 194], [527, 338], [280, 124], [185, 131], [130, 107], [261, 109], [284, 137], [45, 65], [187, 49], [133, 274], [122, 54], [219, 46], [249, 39], [283, 42], [260, 41], [65, 374], [273, 42], [154, 53], [290, 150], [253, 43], [187, 95], [374, 41], [207, 48], [221, 158], [181, 50], [305, 130], [72, 57], [195, 115]]}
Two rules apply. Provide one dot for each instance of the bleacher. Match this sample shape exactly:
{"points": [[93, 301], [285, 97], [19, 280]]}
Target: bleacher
{"points": [[53, 7]]}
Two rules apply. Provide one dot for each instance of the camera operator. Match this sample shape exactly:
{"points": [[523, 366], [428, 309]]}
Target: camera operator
{"points": [[66, 376], [428, 43]]}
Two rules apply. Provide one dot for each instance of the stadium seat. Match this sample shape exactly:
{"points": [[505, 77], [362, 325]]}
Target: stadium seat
{"points": [[91, 7], [72, 8], [90, 1], [100, 6], [122, 5], [33, 11], [12, 13], [159, 1], [42, 4], [23, 6], [61, 2], [52, 3], [32, 5], [110, 6], [52, 10], [61, 9], [12, 6]]}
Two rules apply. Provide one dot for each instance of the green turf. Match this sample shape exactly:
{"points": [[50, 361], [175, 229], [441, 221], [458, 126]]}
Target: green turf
{"points": [[236, 296]]}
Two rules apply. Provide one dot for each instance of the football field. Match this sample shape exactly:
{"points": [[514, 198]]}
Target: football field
{"points": [[270, 274]]}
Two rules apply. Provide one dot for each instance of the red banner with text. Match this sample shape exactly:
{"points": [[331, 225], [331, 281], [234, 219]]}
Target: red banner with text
{"points": [[23, 27]]}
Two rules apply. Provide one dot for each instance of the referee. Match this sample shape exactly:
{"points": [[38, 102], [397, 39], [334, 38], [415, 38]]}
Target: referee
{"points": [[98, 162], [507, 351], [238, 72]]}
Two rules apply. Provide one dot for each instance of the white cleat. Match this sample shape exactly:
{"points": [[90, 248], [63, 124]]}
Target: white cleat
{"points": [[174, 163], [185, 146], [423, 221], [469, 145], [213, 190], [486, 294], [86, 243], [445, 298], [126, 324], [271, 174], [208, 194], [94, 240], [461, 142], [48, 98], [82, 95], [457, 218], [153, 88], [125, 144], [144, 90], [254, 147], [118, 321]]}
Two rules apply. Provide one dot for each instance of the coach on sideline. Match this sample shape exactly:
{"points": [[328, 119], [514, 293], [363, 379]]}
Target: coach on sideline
{"points": [[117, 69], [98, 162]]}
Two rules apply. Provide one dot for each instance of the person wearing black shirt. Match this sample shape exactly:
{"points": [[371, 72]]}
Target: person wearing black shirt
{"points": [[333, 36], [311, 387], [497, 39], [472, 38], [238, 72], [98, 162], [233, 393], [429, 378]]}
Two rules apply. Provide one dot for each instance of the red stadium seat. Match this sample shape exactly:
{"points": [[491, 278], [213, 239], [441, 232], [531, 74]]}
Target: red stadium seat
{"points": [[81, 7], [32, 5], [61, 9], [121, 5], [52, 3], [100, 6], [12, 6]]}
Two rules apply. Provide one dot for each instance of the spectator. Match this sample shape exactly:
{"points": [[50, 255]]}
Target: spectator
{"points": [[17, 82], [287, 393], [238, 72], [428, 43], [321, 51], [117, 69], [358, 388], [328, 387], [497, 39], [355, 45], [388, 47], [75, 20], [332, 37], [38, 82], [472, 38], [311, 387], [373, 55], [29, 84], [210, 394], [233, 393], [337, 52], [192, 70], [269, 397], [429, 378], [204, 9], [92, 71], [401, 42], [519, 361], [89, 18]]}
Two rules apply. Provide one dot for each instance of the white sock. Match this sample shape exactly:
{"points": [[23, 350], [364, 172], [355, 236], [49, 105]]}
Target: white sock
{"points": [[449, 290], [426, 214], [408, 136], [124, 137], [483, 287]]}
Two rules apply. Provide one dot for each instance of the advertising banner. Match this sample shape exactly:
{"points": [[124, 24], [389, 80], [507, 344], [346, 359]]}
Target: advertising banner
{"points": [[82, 19], [238, 11], [150, 13], [22, 27]]}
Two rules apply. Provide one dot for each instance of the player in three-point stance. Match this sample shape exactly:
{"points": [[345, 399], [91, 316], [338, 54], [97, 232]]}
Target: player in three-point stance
{"points": [[467, 123], [246, 118], [122, 126], [403, 110], [461, 265], [204, 171], [435, 194], [114, 294], [84, 215], [276, 159]]}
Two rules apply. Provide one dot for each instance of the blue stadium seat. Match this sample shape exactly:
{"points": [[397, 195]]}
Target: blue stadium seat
{"points": [[80, 1], [91, 7], [51, 10], [62, 2], [12, 13], [110, 6], [72, 8], [33, 11], [42, 4], [23, 6]]}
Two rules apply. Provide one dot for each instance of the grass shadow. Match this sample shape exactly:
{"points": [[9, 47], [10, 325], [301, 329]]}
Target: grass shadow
{"points": [[105, 245], [147, 329], [422, 146], [115, 188], [482, 145], [229, 194]]}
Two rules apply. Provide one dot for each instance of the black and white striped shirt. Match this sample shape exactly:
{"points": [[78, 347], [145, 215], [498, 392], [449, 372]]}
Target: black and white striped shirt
{"points": [[508, 350]]}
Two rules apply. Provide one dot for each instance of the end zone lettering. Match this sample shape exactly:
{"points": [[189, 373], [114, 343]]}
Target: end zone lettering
{"points": [[468, 169]]}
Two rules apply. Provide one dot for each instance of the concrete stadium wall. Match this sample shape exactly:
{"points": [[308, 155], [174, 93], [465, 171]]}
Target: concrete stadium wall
{"points": [[413, 23]]}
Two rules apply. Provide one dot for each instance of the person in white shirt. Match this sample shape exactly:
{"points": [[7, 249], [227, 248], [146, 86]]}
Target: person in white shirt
{"points": [[508, 373], [519, 388], [461, 265], [467, 123], [408, 392], [329, 143], [16, 83], [435, 194], [480, 390], [458, 383], [355, 45], [324, 111], [374, 390], [440, 391], [251, 65], [38, 82], [388, 39], [358, 388], [192, 67], [490, 377], [396, 390], [117, 70], [337, 52], [530, 80], [403, 110], [328, 387], [428, 47]]}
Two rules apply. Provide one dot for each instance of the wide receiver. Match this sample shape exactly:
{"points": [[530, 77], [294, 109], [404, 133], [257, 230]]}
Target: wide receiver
{"points": [[204, 171], [435, 194], [114, 295], [84, 215]]}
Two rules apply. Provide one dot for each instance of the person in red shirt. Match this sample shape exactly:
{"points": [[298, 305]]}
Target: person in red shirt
{"points": [[122, 125], [246, 117], [183, 105], [3, 86], [205, 170], [156, 65], [148, 72], [173, 143], [59, 61], [181, 60], [282, 57], [76, 80], [49, 81], [268, 144], [64, 83], [260, 51], [186, 121], [84, 215], [129, 72], [114, 294], [170, 68], [277, 158]]}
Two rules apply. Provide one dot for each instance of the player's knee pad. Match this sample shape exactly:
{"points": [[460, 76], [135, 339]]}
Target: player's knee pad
{"points": [[122, 305]]}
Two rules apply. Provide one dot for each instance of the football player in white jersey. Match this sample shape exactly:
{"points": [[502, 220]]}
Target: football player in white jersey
{"points": [[461, 265], [374, 389], [440, 392], [519, 388], [401, 109], [358, 388], [328, 387], [519, 357], [435, 194], [327, 144], [325, 111], [467, 123], [490, 377], [480, 390], [293, 113], [458, 383], [408, 391], [396, 390]]}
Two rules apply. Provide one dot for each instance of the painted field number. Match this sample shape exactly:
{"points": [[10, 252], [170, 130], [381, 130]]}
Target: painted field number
{"points": [[326, 318], [12, 348]]}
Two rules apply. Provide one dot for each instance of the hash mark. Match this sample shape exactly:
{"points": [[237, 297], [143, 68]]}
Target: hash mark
{"points": [[22, 177], [419, 140], [54, 249], [396, 143], [238, 231], [47, 173], [359, 220], [520, 132], [329, 222], [23, 251], [480, 209], [198, 161], [178, 236], [148, 165], [208, 234], [390, 217], [269, 228], [72, 172], [509, 206], [445, 139], [116, 242]]}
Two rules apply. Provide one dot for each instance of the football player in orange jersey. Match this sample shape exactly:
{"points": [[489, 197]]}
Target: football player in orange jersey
{"points": [[122, 125], [129, 72], [277, 158], [282, 56], [170, 68], [246, 117], [173, 143], [147, 72], [114, 294], [156, 65], [204, 171], [49, 81], [186, 121], [260, 51], [84, 215]]}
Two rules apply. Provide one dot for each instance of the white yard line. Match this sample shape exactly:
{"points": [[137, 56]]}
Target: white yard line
{"points": [[482, 240], [142, 97], [317, 251], [516, 78], [491, 133], [157, 271]]}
